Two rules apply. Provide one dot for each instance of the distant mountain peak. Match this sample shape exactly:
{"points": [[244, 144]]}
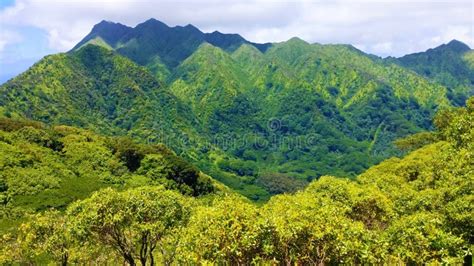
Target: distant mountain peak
{"points": [[297, 40], [107, 24], [104, 22], [154, 38], [191, 29], [107, 31], [153, 20], [152, 23], [191, 26], [458, 46]]}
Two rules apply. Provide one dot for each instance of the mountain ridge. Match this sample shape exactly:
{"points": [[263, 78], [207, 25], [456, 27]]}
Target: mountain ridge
{"points": [[165, 47], [99, 26], [119, 36], [447, 64], [296, 111]]}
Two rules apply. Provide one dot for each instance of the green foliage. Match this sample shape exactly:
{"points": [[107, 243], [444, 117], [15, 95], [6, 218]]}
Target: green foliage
{"points": [[133, 223], [169, 166], [47, 234], [97, 89], [271, 105], [420, 238], [278, 183], [229, 231], [303, 110], [415, 141], [298, 109], [412, 210], [160, 164], [449, 64], [43, 167], [308, 232], [456, 125], [263, 121]]}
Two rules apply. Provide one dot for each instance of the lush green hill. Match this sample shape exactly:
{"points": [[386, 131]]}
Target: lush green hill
{"points": [[97, 89], [302, 110], [411, 210], [45, 167], [158, 46], [256, 117], [449, 64]]}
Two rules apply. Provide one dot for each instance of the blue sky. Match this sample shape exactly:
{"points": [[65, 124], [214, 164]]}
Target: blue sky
{"points": [[5, 3], [31, 29]]}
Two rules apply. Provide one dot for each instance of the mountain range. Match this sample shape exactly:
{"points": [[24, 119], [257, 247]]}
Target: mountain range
{"points": [[261, 118]]}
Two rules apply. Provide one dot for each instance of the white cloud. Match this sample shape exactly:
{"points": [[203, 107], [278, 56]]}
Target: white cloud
{"points": [[8, 37], [382, 48], [384, 27]]}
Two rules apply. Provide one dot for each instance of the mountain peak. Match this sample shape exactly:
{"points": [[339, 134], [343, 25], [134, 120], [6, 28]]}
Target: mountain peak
{"points": [[297, 40], [107, 25], [104, 22], [191, 29], [206, 47], [247, 55], [153, 38], [229, 42], [191, 26], [458, 46], [152, 23], [107, 31]]}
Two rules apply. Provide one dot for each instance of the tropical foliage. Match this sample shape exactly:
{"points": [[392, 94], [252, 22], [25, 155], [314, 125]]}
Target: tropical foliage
{"points": [[43, 167], [449, 64], [319, 154], [413, 210], [238, 110]]}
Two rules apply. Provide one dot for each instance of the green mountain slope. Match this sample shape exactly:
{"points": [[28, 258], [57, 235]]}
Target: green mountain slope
{"points": [[253, 117], [449, 64], [158, 46], [44, 167], [303, 110], [212, 79], [415, 209], [100, 90]]}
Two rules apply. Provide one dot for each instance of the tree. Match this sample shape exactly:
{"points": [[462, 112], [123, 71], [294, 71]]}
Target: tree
{"points": [[46, 233], [231, 230], [310, 229], [416, 141], [457, 125], [420, 238], [133, 222], [278, 183], [169, 166]]}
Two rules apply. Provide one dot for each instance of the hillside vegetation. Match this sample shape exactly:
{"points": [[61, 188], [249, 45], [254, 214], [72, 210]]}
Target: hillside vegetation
{"points": [[260, 118], [449, 64], [49, 167], [413, 210], [166, 145]]}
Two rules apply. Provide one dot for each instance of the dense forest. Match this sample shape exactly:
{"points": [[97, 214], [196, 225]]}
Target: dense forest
{"points": [[166, 145], [150, 207]]}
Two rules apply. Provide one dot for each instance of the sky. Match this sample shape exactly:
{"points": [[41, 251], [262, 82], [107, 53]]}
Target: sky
{"points": [[31, 29]]}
